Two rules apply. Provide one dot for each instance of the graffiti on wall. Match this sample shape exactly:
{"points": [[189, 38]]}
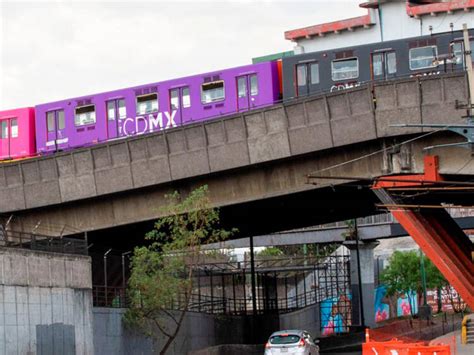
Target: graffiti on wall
{"points": [[405, 304], [335, 314]]}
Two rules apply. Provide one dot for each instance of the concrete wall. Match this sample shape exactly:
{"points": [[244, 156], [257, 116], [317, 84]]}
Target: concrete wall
{"points": [[211, 152], [199, 331], [45, 303], [307, 318]]}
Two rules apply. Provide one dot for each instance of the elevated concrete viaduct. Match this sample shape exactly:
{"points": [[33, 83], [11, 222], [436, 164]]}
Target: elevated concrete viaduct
{"points": [[255, 163]]}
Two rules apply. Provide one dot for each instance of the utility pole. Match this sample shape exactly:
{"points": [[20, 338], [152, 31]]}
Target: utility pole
{"points": [[359, 276]]}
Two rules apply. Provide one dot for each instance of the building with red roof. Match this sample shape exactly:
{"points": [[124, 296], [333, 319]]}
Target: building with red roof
{"points": [[385, 20]]}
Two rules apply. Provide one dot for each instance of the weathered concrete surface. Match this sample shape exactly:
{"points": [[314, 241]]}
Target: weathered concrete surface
{"points": [[45, 303], [242, 158], [199, 331]]}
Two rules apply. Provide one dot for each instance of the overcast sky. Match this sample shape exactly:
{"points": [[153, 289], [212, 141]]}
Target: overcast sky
{"points": [[60, 49]]}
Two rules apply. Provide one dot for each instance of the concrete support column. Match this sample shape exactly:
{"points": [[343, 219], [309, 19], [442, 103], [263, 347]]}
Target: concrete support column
{"points": [[367, 267]]}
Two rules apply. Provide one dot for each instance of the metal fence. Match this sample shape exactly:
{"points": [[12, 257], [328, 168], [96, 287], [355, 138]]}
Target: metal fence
{"points": [[22, 240]]}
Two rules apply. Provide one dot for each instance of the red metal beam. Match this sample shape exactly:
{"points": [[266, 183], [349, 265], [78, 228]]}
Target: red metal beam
{"points": [[431, 176], [443, 242], [420, 10], [330, 27]]}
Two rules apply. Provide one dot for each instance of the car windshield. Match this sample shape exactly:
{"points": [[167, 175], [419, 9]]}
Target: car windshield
{"points": [[284, 339]]}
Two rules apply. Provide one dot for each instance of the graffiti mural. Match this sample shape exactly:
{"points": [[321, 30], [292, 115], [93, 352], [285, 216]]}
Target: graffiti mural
{"points": [[405, 303], [335, 314]]}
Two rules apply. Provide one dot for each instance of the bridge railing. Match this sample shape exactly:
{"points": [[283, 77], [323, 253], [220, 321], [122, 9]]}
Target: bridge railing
{"points": [[22, 240]]}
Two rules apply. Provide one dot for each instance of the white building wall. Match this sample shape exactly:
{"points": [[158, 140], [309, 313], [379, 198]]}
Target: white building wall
{"points": [[394, 23], [441, 22]]}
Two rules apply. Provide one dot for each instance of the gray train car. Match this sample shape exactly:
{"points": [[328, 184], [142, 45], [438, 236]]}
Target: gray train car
{"points": [[345, 68]]}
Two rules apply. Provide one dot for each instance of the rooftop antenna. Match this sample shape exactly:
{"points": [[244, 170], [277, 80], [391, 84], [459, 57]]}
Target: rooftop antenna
{"points": [[465, 130]]}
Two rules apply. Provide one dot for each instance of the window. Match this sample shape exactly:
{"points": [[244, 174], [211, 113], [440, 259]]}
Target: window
{"points": [[345, 69], [186, 98], [174, 98], [84, 115], [111, 110], [122, 109], [253, 85], [4, 129], [147, 103], [457, 49], [423, 57], [50, 121], [242, 86], [211, 92], [377, 64], [61, 120], [284, 339], [301, 74], [314, 70], [391, 58], [14, 127]]}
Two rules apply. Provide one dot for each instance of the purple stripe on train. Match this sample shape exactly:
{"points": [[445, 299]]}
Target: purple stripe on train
{"points": [[149, 108]]}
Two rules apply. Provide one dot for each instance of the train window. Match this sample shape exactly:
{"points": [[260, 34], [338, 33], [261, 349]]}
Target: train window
{"points": [[84, 115], [423, 57], [122, 108], [50, 121], [345, 69], [301, 74], [314, 70], [253, 85], [186, 97], [242, 86], [377, 64], [174, 99], [391, 58], [61, 120], [457, 50], [111, 110], [147, 103], [4, 129], [14, 127], [213, 91]]}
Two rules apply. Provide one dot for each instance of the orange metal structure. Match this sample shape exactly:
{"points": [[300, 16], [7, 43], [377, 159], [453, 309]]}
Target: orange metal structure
{"points": [[440, 238], [395, 346]]}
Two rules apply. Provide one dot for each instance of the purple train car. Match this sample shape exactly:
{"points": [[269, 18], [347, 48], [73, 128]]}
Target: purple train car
{"points": [[149, 108]]}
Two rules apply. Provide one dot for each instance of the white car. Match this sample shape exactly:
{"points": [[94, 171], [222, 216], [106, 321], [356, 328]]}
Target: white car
{"points": [[291, 342]]}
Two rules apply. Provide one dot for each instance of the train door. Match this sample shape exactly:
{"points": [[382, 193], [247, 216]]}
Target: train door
{"points": [[307, 78], [116, 116], [384, 65], [180, 104], [247, 90], [56, 125], [6, 136]]}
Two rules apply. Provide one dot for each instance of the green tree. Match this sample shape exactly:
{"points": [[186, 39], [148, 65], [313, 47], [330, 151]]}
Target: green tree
{"points": [[269, 252], [403, 275], [161, 282]]}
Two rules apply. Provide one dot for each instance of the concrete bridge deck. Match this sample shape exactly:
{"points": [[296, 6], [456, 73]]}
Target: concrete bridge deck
{"points": [[244, 158]]}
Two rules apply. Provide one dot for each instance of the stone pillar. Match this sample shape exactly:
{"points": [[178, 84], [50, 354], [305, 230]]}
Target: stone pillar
{"points": [[367, 267]]}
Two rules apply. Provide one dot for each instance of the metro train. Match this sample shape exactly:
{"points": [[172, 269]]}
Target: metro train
{"points": [[102, 117]]}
